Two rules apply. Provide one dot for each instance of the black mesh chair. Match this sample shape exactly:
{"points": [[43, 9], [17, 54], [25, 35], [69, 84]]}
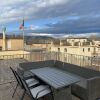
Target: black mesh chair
{"points": [[35, 92], [30, 82], [18, 81], [26, 74]]}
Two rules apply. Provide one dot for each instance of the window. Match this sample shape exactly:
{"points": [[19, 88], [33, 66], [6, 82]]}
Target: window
{"points": [[58, 49], [65, 50], [9, 44], [83, 49], [88, 49], [83, 40], [94, 49]]}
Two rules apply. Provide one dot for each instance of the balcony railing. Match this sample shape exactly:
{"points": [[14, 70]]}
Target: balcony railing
{"points": [[83, 61]]}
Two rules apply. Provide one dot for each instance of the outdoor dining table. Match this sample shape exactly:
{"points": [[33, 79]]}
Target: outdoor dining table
{"points": [[60, 81]]}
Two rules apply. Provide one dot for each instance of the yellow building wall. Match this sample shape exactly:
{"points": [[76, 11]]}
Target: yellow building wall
{"points": [[75, 50], [1, 42], [16, 44], [39, 45]]}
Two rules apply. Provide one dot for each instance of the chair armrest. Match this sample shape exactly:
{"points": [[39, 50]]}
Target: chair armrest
{"points": [[93, 88], [20, 71]]}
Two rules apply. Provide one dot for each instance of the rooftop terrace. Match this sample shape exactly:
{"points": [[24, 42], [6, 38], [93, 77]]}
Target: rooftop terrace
{"points": [[7, 80]]}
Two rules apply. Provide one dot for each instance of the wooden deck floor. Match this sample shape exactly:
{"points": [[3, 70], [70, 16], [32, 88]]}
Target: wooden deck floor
{"points": [[7, 80]]}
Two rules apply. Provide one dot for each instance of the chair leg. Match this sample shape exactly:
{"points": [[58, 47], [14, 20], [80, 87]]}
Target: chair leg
{"points": [[22, 98], [15, 90], [42, 98], [52, 95]]}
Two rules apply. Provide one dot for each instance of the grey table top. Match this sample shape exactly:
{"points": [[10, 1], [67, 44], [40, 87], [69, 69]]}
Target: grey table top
{"points": [[55, 77]]}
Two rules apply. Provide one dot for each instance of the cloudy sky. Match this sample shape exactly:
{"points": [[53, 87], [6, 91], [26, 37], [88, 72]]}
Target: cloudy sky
{"points": [[51, 16]]}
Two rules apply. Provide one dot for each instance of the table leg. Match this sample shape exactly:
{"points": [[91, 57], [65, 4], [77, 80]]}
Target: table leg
{"points": [[63, 94]]}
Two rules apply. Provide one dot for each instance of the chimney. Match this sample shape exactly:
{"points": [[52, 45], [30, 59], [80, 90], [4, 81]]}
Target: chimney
{"points": [[61, 43], [52, 43], [90, 43], [79, 43]]}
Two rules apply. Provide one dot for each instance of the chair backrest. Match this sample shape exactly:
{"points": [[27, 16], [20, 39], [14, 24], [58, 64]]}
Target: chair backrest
{"points": [[19, 71], [26, 88], [17, 77], [24, 84], [13, 71]]}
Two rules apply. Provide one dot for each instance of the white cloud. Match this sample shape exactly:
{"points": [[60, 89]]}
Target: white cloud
{"points": [[84, 35], [16, 9], [87, 13], [40, 34], [33, 27], [44, 3]]}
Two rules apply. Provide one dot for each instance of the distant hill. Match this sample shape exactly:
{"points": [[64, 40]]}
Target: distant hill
{"points": [[26, 37], [38, 39]]}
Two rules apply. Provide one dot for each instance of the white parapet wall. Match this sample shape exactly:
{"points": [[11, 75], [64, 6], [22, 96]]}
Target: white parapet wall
{"points": [[14, 54]]}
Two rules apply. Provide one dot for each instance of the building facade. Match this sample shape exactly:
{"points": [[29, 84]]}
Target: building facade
{"points": [[12, 44], [81, 46]]}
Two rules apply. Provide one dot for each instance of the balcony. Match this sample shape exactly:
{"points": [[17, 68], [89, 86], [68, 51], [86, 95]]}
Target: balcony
{"points": [[95, 54], [7, 80]]}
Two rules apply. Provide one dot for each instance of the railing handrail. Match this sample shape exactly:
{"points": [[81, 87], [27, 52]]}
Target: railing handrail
{"points": [[62, 56]]}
